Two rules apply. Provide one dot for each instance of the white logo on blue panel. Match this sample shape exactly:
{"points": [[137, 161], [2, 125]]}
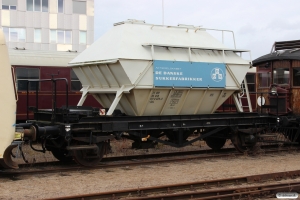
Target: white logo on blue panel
{"points": [[217, 74]]}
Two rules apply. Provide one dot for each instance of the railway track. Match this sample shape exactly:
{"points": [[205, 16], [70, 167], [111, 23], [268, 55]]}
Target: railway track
{"points": [[261, 185], [133, 160]]}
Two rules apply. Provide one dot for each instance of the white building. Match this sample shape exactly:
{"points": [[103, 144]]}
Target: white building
{"points": [[48, 25]]}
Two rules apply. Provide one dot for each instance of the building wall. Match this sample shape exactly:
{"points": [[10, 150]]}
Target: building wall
{"points": [[67, 21]]}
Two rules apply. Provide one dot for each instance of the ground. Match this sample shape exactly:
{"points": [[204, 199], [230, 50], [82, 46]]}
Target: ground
{"points": [[100, 180]]}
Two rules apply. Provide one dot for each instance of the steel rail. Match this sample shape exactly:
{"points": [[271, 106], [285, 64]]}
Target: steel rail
{"points": [[189, 190], [152, 155], [132, 162]]}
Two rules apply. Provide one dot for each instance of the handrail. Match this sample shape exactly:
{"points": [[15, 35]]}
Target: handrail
{"points": [[54, 80]]}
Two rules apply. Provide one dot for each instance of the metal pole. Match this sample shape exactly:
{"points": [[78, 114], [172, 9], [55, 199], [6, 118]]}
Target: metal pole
{"points": [[277, 103], [261, 103], [37, 97], [27, 99], [163, 23]]}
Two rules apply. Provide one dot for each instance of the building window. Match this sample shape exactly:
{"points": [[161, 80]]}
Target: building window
{"points": [[79, 7], [37, 36], [75, 83], [60, 36], [82, 37], [9, 4], [37, 5], [60, 6], [296, 76], [23, 75], [281, 76], [14, 34]]}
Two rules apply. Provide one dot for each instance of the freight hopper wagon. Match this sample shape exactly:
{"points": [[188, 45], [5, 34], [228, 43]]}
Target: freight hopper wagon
{"points": [[157, 84]]}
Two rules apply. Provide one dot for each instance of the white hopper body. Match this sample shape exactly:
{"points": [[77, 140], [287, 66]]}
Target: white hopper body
{"points": [[143, 69]]}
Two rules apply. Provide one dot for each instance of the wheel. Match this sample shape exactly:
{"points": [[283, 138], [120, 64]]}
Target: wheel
{"points": [[61, 155], [6, 162], [238, 144], [91, 157], [215, 143]]}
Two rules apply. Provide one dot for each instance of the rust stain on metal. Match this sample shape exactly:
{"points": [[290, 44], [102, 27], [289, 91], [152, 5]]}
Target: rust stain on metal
{"points": [[295, 100], [273, 176]]}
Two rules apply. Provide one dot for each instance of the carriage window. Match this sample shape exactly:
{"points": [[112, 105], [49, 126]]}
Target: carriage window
{"points": [[264, 79], [251, 82], [75, 83], [23, 75], [296, 76], [281, 76]]}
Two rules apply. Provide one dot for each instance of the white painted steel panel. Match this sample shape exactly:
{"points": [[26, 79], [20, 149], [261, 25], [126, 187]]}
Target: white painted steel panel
{"points": [[60, 21], [53, 21], [29, 34], [21, 5], [14, 45], [29, 45], [64, 47], [68, 7], [45, 20], [122, 61], [75, 38], [75, 22], [9, 2], [29, 19], [52, 6], [37, 22], [21, 19], [8, 104], [68, 22], [36, 46], [40, 58], [90, 23], [13, 18], [82, 22], [90, 7], [81, 47], [45, 35], [44, 47], [52, 47], [5, 18], [20, 45], [75, 47], [90, 37]]}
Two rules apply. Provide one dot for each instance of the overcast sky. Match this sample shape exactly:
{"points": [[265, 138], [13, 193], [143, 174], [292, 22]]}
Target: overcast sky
{"points": [[257, 24]]}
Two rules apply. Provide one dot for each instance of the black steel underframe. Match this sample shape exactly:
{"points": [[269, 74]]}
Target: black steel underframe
{"points": [[141, 126], [140, 123]]}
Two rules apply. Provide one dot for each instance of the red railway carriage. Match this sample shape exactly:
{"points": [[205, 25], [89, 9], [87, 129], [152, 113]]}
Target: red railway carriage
{"points": [[31, 65], [279, 71]]}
